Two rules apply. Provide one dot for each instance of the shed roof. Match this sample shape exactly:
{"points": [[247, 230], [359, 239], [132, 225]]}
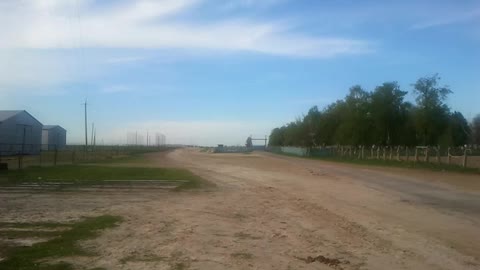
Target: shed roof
{"points": [[51, 127], [7, 114], [4, 115]]}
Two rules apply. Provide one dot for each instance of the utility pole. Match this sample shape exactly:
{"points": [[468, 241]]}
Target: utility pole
{"points": [[86, 128], [93, 130]]}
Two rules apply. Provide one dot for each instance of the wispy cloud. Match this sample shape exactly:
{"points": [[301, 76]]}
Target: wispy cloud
{"points": [[124, 59], [449, 19], [158, 24]]}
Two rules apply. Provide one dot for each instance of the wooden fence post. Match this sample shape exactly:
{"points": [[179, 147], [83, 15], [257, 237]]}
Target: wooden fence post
{"points": [[465, 158], [438, 155], [427, 156], [385, 153], [416, 154], [406, 153], [363, 152], [378, 152], [20, 162]]}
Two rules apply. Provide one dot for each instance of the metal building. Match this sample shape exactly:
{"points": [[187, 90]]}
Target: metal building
{"points": [[53, 137], [20, 133]]}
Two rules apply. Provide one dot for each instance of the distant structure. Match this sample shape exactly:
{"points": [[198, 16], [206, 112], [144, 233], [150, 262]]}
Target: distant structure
{"points": [[249, 143], [250, 140], [20, 133], [53, 137]]}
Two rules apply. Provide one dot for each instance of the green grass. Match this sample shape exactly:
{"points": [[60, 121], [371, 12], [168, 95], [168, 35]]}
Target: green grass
{"points": [[89, 175], [134, 158], [64, 245], [433, 166], [404, 164]]}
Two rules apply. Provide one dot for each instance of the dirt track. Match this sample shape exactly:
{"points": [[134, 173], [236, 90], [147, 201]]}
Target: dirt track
{"points": [[276, 212]]}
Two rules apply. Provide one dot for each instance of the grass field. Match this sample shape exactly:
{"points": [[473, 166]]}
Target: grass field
{"points": [[433, 166], [403, 164], [92, 174], [62, 243]]}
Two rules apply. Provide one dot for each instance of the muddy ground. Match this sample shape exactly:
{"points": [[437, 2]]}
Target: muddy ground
{"points": [[274, 212]]}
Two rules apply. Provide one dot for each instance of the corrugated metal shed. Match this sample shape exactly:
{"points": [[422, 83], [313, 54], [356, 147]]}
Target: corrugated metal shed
{"points": [[53, 137], [20, 133]]}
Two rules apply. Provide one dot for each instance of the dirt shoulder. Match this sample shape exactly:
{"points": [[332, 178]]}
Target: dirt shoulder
{"points": [[271, 212]]}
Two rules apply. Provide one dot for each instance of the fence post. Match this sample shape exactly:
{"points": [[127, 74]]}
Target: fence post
{"points": [[391, 153], [406, 153], [438, 155], [416, 154], [385, 153], [465, 158], [449, 158], [378, 152], [363, 152], [427, 156], [20, 162]]}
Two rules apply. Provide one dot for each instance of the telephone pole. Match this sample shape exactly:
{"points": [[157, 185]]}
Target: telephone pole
{"points": [[86, 128]]}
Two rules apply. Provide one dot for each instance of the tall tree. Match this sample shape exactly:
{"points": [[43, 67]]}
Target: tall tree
{"points": [[475, 126], [457, 132], [432, 112], [312, 126], [355, 118], [389, 113]]}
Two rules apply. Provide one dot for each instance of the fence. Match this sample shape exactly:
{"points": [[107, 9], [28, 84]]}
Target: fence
{"points": [[461, 156], [20, 156]]}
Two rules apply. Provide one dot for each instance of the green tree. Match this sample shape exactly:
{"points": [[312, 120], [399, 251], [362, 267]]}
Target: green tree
{"points": [[311, 123], [276, 137], [432, 113], [475, 127], [355, 121], [389, 114]]}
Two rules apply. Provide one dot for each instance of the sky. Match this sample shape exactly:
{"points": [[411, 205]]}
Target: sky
{"points": [[213, 72]]}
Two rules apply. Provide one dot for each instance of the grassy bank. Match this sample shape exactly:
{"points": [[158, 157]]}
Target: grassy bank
{"points": [[63, 244]]}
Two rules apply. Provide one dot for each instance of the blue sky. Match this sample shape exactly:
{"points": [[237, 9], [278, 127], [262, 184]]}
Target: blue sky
{"points": [[212, 71]]}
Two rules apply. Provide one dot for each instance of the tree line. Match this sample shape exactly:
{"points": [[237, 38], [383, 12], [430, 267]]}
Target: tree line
{"points": [[383, 117]]}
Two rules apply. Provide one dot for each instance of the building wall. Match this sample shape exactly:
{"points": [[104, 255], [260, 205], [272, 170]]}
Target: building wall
{"points": [[20, 134], [54, 138]]}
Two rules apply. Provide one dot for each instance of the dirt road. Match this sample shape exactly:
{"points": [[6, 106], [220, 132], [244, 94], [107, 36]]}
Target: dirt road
{"points": [[277, 212]]}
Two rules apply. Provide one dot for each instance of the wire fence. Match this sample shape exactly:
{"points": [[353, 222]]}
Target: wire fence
{"points": [[19, 156], [467, 156]]}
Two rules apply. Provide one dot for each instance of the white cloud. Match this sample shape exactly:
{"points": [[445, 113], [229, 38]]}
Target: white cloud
{"points": [[154, 24]]}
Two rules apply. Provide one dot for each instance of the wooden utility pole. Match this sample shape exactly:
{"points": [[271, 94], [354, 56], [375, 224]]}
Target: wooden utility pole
{"points": [[86, 128]]}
